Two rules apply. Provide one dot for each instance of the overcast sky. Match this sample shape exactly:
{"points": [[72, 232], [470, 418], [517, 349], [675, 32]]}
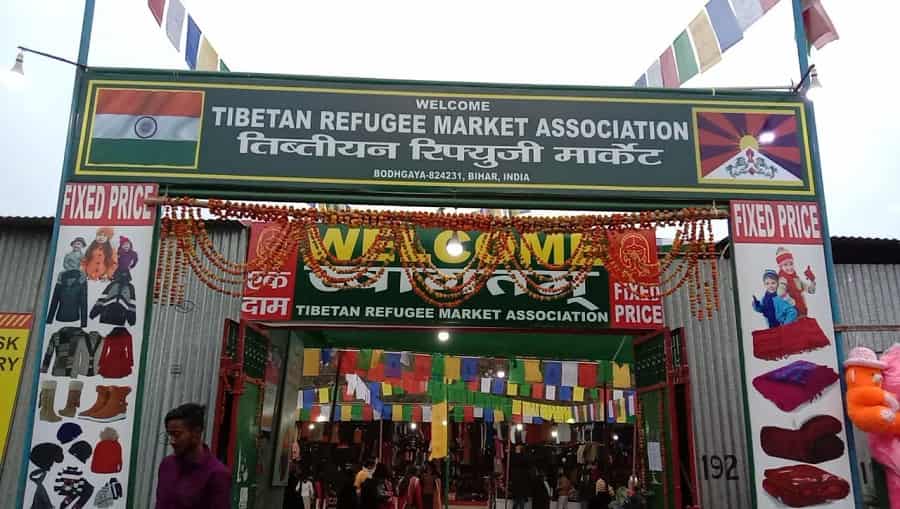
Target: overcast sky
{"points": [[550, 42]]}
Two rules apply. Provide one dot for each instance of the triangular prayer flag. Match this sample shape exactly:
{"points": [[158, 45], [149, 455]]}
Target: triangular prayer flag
{"points": [[668, 68], [569, 373], [208, 57], [223, 67], [685, 59], [156, 8], [641, 82], [175, 23], [705, 43], [578, 394], [587, 374], [192, 47], [537, 391], [516, 371], [725, 23], [621, 375], [423, 367], [438, 431], [406, 360], [533, 371], [452, 368], [552, 373], [311, 357]]}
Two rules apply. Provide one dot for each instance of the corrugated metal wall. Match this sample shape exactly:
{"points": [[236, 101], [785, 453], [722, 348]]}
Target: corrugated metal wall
{"points": [[183, 360], [23, 258], [716, 394]]}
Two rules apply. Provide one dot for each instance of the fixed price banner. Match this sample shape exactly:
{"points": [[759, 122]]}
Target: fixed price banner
{"points": [[795, 408], [14, 331], [84, 416]]}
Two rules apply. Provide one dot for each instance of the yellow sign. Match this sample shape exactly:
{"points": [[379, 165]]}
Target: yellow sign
{"points": [[14, 330]]}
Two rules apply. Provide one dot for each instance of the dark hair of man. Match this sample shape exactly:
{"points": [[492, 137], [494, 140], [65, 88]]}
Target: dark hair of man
{"points": [[191, 414]]}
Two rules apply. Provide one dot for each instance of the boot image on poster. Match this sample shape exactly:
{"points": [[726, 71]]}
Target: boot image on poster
{"points": [[73, 399], [46, 401], [111, 404]]}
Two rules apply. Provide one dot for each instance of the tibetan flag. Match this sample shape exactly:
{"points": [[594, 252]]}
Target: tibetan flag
{"points": [[393, 368], [525, 390], [817, 24], [156, 8], [512, 389], [725, 23], [311, 357], [578, 394], [452, 368], [553, 373], [668, 68], [469, 368], [175, 23], [533, 371], [621, 375], [438, 431], [587, 374], [569, 373], [705, 43], [207, 58], [135, 127], [422, 367], [517, 371], [685, 59], [537, 391], [654, 75], [192, 47]]}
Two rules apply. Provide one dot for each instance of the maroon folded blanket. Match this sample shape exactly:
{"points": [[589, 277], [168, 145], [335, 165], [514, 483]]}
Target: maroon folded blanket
{"points": [[804, 485], [816, 441], [795, 384], [803, 335]]}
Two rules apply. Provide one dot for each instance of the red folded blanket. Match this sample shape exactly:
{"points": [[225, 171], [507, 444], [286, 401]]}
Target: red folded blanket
{"points": [[804, 485], [795, 384], [803, 335]]}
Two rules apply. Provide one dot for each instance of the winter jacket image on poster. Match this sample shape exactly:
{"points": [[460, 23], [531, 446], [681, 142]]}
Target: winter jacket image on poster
{"points": [[117, 358], [795, 384], [69, 300], [804, 485], [116, 305], [816, 441], [69, 352]]}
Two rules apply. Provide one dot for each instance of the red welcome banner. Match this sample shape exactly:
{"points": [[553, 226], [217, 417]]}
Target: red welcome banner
{"points": [[268, 295], [634, 298]]}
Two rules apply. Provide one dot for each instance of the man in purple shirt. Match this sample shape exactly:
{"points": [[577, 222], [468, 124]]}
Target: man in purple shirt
{"points": [[192, 478]]}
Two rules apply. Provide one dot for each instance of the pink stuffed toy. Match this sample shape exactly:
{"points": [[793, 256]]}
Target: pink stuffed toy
{"points": [[885, 447]]}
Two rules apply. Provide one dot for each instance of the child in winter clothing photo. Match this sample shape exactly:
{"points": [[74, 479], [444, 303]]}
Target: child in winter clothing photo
{"points": [[99, 262], [776, 309], [128, 257], [73, 258], [790, 285]]}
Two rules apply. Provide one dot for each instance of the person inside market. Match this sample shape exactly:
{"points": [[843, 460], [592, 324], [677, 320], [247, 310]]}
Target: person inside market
{"points": [[191, 477], [364, 474], [307, 491], [519, 477], [410, 491], [603, 495], [347, 497], [377, 491], [542, 491], [564, 490], [431, 488]]}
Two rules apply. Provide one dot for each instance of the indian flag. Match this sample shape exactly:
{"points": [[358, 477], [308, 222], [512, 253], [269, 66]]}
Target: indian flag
{"points": [[146, 127]]}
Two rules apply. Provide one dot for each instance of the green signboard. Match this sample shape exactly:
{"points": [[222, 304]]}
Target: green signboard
{"points": [[501, 303], [373, 137]]}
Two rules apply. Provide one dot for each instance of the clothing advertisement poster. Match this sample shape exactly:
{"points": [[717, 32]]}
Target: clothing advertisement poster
{"points": [[792, 374], [91, 344]]}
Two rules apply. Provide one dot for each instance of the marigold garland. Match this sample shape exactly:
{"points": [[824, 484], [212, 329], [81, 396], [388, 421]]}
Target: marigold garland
{"points": [[508, 244]]}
